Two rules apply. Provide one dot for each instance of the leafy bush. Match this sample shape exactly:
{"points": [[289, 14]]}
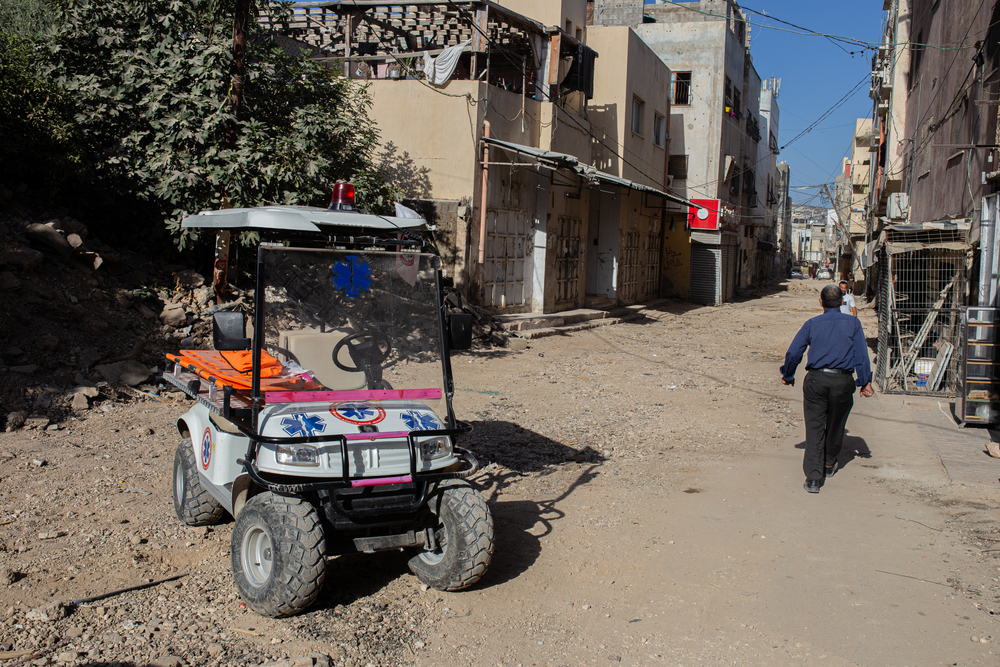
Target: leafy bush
{"points": [[150, 84]]}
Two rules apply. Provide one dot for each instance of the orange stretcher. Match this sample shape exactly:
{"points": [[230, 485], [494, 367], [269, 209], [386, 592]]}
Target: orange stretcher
{"points": [[232, 368]]}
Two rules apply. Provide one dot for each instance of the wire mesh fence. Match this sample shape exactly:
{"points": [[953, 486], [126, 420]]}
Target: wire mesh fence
{"points": [[921, 291]]}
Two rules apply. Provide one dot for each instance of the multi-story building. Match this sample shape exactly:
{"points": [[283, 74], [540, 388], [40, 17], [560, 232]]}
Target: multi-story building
{"points": [[851, 199], [933, 191], [717, 140], [541, 160], [783, 231]]}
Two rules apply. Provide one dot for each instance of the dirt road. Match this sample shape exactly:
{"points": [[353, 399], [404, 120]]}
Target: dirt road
{"points": [[647, 491]]}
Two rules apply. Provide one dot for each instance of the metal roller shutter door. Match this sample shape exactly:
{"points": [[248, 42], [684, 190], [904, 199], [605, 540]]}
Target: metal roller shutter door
{"points": [[706, 263]]}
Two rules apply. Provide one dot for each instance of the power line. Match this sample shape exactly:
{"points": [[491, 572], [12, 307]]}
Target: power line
{"points": [[812, 33]]}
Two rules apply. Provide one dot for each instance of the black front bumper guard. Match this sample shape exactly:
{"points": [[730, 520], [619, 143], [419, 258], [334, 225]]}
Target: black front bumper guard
{"points": [[418, 478]]}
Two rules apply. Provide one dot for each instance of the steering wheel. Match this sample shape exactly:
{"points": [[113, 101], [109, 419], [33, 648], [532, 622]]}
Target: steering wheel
{"points": [[366, 349]]}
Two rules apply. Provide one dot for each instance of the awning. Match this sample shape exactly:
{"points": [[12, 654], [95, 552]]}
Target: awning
{"points": [[588, 172], [294, 219], [942, 225]]}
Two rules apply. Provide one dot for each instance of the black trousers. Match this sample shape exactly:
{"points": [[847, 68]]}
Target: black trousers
{"points": [[827, 401]]}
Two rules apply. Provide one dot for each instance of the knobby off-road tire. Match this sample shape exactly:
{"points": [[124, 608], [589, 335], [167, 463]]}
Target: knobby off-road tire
{"points": [[193, 504], [464, 534], [278, 554]]}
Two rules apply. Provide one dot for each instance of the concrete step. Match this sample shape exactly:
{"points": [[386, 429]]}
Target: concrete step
{"points": [[533, 325]]}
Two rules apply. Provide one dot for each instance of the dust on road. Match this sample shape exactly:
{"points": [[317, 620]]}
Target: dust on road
{"points": [[647, 496]]}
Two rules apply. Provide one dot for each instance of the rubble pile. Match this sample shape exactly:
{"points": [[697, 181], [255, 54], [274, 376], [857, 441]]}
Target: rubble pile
{"points": [[83, 324]]}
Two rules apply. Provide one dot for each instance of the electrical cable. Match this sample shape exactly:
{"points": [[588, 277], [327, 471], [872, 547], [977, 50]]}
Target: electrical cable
{"points": [[812, 33]]}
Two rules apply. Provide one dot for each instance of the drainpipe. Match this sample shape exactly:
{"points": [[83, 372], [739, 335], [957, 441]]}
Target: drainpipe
{"points": [[482, 193]]}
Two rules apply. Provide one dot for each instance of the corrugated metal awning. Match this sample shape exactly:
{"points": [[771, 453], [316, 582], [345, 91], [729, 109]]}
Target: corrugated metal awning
{"points": [[588, 172]]}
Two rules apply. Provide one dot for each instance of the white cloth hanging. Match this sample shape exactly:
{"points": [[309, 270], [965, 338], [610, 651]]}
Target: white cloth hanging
{"points": [[439, 70]]}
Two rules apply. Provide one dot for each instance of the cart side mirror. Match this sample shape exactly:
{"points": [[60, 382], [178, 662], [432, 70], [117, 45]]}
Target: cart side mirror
{"points": [[460, 330], [229, 330]]}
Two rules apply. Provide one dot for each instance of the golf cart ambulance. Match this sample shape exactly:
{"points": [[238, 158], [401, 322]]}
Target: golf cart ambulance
{"points": [[329, 429]]}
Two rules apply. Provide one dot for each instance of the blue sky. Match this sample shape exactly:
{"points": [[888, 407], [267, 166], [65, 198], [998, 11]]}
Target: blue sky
{"points": [[814, 74]]}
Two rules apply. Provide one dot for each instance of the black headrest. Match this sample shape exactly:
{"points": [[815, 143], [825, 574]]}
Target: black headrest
{"points": [[229, 330]]}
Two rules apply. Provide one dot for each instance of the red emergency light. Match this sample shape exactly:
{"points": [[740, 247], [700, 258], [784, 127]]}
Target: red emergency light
{"points": [[342, 197]]}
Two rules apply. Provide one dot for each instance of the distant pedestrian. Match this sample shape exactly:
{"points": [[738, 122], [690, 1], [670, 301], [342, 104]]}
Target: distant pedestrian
{"points": [[837, 351], [848, 306]]}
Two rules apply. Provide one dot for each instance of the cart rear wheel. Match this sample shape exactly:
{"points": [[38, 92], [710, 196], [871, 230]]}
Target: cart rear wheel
{"points": [[193, 504], [278, 554], [464, 536]]}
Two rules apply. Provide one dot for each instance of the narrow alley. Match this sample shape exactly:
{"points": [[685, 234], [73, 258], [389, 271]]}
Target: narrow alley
{"points": [[646, 484]]}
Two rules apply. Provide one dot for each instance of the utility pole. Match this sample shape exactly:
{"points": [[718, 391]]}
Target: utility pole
{"points": [[241, 14]]}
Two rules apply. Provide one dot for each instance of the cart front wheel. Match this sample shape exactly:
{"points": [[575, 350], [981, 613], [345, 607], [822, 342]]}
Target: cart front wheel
{"points": [[463, 532], [278, 555]]}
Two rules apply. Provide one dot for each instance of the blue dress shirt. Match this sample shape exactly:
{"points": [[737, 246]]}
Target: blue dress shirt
{"points": [[835, 340]]}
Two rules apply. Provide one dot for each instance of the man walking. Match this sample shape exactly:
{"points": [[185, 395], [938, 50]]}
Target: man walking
{"points": [[848, 306], [837, 351]]}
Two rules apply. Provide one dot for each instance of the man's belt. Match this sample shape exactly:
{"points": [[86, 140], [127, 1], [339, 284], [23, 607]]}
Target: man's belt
{"points": [[832, 370]]}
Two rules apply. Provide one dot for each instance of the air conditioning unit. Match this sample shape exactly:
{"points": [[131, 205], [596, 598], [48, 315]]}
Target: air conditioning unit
{"points": [[898, 207]]}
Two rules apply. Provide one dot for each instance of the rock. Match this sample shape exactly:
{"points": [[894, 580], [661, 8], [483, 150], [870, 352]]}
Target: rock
{"points": [[20, 257], [74, 240], [145, 311], [49, 612], [88, 391], [67, 656], [9, 577], [173, 315], [203, 296], [188, 279], [80, 402], [311, 660], [48, 341], [214, 650], [15, 420], [48, 237], [51, 535], [131, 373], [8, 281], [53, 427], [517, 344], [136, 540], [36, 422], [167, 661], [38, 463]]}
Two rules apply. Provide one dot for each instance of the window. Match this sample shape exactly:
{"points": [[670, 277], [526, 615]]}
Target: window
{"points": [[682, 88], [638, 110], [660, 130], [737, 103], [678, 166]]}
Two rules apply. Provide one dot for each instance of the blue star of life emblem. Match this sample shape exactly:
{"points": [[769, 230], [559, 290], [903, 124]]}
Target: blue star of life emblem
{"points": [[353, 276], [420, 421], [301, 424]]}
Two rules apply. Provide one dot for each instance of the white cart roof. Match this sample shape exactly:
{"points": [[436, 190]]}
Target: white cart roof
{"points": [[294, 219]]}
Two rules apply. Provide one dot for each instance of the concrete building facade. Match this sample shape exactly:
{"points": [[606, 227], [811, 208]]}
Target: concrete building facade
{"points": [[540, 158], [720, 151]]}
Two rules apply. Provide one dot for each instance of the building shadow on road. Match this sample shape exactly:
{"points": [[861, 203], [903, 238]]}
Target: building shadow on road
{"points": [[854, 447]]}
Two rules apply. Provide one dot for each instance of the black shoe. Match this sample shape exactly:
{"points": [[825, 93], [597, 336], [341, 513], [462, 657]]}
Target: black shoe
{"points": [[831, 469], [812, 485]]}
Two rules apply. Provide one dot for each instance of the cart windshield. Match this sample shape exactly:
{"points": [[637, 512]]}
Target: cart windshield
{"points": [[361, 329]]}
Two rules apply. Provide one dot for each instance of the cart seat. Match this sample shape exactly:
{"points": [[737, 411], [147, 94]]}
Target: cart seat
{"points": [[313, 350]]}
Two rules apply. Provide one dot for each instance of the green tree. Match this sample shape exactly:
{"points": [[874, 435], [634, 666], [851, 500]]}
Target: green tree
{"points": [[150, 82]]}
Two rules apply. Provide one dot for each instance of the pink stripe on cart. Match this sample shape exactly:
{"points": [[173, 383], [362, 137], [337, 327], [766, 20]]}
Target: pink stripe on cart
{"points": [[382, 481], [350, 395], [380, 435]]}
